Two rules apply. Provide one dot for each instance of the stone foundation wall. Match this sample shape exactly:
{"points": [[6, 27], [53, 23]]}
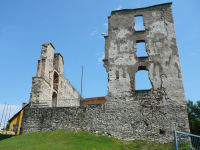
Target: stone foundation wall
{"points": [[69, 118], [126, 123]]}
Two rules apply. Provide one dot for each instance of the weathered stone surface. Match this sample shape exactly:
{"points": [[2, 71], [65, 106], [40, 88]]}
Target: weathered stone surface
{"points": [[127, 113], [50, 80], [157, 111]]}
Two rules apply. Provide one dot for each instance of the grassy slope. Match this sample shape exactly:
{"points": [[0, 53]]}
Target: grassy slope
{"points": [[82, 140]]}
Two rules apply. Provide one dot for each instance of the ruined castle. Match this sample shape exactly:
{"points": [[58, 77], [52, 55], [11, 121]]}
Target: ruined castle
{"points": [[127, 113], [49, 87]]}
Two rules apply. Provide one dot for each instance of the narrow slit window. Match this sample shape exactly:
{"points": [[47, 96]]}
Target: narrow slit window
{"points": [[55, 81], [141, 50], [139, 23], [54, 96], [142, 81], [117, 74]]}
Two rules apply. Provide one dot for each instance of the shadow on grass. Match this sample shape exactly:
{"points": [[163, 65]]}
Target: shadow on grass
{"points": [[5, 136]]}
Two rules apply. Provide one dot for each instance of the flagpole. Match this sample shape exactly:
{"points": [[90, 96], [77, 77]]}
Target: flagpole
{"points": [[81, 85]]}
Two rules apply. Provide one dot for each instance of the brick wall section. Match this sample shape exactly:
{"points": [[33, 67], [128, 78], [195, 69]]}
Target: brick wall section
{"points": [[95, 100]]}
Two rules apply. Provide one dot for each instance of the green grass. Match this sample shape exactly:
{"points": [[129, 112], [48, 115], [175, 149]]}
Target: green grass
{"points": [[82, 140]]}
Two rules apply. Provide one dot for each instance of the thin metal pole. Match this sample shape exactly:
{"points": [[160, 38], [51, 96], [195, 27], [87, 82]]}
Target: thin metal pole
{"points": [[5, 117], [81, 85], [9, 115], [2, 114], [175, 141]]}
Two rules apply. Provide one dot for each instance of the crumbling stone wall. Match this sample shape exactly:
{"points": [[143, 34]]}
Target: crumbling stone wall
{"points": [[150, 114], [50, 83], [156, 112], [68, 96], [69, 118], [41, 90]]}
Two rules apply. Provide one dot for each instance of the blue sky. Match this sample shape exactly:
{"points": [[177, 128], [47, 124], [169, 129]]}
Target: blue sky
{"points": [[74, 28]]}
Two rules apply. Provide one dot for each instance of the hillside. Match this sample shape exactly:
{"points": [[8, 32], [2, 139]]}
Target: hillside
{"points": [[81, 140]]}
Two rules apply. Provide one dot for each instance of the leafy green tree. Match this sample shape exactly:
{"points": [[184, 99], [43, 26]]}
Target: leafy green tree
{"points": [[194, 116], [7, 127]]}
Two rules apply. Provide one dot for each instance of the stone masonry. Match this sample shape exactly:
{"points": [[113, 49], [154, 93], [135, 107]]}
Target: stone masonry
{"points": [[157, 111], [50, 83], [150, 114]]}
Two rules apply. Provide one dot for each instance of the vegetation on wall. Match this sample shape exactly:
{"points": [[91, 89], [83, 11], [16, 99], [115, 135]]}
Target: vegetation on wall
{"points": [[194, 116]]}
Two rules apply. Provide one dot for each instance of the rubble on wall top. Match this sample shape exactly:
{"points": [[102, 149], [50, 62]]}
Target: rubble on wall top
{"points": [[45, 44], [60, 55], [136, 9]]}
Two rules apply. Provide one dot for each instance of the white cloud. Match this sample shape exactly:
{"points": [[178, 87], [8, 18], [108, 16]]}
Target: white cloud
{"points": [[100, 53], [193, 54], [106, 25], [102, 57], [139, 26], [95, 31], [137, 5], [120, 7], [14, 110]]}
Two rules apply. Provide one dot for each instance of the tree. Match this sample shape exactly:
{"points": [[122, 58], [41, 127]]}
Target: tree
{"points": [[7, 127], [194, 116]]}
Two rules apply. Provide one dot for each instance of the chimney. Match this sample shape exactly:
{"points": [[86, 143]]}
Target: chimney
{"points": [[23, 105]]}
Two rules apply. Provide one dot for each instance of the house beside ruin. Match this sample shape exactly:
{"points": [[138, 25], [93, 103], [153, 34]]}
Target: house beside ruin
{"points": [[50, 88], [16, 120]]}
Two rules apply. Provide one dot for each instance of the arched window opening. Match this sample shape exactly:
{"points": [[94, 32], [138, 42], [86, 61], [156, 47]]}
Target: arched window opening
{"points": [[139, 23], [55, 81], [141, 49], [54, 96], [142, 81]]}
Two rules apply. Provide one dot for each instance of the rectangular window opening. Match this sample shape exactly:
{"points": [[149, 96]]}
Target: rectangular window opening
{"points": [[139, 23], [141, 50]]}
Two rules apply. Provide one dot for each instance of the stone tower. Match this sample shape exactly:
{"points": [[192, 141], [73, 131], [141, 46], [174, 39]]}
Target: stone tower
{"points": [[153, 113], [49, 87]]}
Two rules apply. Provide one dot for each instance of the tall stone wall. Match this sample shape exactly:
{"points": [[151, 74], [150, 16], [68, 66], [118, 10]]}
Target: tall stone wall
{"points": [[158, 111], [58, 62], [45, 63]]}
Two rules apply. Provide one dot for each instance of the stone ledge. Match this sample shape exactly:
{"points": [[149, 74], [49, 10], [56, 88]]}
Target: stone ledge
{"points": [[41, 78]]}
